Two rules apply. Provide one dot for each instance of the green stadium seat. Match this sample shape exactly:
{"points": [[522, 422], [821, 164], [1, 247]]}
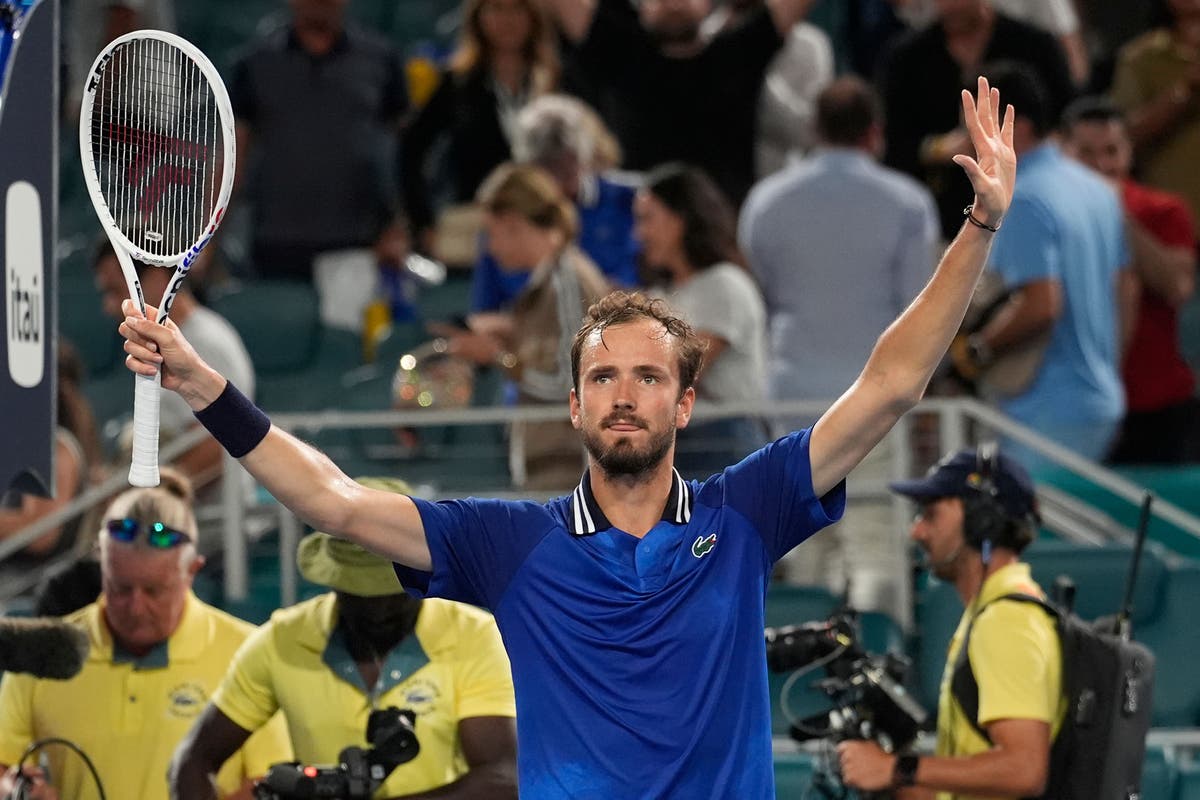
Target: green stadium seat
{"points": [[1160, 775], [1100, 575], [793, 775], [82, 320], [278, 321], [448, 301], [795, 605], [938, 610], [1174, 639], [1188, 785], [1189, 331], [1179, 484], [298, 362]]}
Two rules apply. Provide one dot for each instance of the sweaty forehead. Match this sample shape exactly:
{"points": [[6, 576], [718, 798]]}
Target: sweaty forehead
{"points": [[642, 341]]}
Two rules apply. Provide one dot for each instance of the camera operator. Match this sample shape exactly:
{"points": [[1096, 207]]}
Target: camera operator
{"points": [[976, 512], [329, 661]]}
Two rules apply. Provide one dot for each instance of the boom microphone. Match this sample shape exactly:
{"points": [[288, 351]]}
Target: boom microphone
{"points": [[43, 647]]}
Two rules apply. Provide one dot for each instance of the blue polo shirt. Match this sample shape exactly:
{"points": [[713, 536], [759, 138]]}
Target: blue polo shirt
{"points": [[639, 664]]}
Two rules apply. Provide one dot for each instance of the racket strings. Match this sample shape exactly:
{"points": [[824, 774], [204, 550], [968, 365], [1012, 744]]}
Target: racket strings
{"points": [[157, 146]]}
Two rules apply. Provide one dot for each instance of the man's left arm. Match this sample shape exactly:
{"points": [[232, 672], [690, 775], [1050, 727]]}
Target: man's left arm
{"points": [[1016, 766], [907, 353], [489, 745]]}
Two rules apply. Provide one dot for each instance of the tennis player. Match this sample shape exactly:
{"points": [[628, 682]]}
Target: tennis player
{"points": [[631, 609]]}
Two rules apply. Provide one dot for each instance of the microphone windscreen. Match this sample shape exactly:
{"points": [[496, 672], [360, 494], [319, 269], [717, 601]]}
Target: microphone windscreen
{"points": [[42, 647]]}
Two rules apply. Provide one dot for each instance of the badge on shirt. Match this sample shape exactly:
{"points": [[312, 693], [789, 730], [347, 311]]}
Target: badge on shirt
{"points": [[704, 544], [186, 700]]}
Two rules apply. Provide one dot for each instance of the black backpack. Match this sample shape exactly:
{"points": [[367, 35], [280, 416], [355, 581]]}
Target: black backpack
{"points": [[1108, 681]]}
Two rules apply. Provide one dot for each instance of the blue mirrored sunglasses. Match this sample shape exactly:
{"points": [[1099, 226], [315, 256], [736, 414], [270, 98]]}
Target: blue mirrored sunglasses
{"points": [[157, 534]]}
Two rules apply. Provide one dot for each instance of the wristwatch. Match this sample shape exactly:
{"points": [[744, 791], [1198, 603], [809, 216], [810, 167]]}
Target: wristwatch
{"points": [[905, 771], [978, 350]]}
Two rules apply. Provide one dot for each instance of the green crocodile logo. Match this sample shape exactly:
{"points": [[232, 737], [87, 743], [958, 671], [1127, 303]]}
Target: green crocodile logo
{"points": [[703, 545]]}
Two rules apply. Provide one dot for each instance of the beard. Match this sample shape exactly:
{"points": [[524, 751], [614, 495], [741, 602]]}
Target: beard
{"points": [[676, 31], [623, 458]]}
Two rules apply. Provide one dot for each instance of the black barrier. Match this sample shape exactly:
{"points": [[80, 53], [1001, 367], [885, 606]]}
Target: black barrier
{"points": [[28, 230]]}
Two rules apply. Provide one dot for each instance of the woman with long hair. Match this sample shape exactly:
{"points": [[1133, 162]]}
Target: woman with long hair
{"points": [[531, 228], [688, 234], [507, 55]]}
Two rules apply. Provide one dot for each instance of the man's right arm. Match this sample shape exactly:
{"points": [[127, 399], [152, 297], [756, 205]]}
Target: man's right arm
{"points": [[208, 745], [298, 475], [1168, 270]]}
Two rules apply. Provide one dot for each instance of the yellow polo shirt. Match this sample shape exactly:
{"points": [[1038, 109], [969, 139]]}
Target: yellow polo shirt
{"points": [[1017, 660], [129, 715], [454, 668]]}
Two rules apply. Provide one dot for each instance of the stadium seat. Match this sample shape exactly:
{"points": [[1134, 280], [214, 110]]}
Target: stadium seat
{"points": [[278, 321], [1160, 775], [1188, 784], [938, 610], [1189, 331], [298, 362], [82, 320], [448, 301], [1179, 484], [1100, 575], [1174, 639], [795, 605], [793, 775]]}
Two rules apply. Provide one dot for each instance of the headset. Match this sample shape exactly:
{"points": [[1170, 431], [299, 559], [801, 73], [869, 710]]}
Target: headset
{"points": [[986, 523]]}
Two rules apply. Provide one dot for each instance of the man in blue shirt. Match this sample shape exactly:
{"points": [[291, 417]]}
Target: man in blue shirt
{"points": [[632, 610], [1063, 256]]}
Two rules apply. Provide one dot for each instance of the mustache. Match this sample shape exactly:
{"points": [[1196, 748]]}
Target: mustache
{"points": [[623, 419]]}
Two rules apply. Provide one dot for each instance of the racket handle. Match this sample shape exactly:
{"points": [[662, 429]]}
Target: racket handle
{"points": [[143, 469]]}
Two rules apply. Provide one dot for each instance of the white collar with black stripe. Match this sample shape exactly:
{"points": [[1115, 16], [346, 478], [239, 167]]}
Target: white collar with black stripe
{"points": [[586, 517]]}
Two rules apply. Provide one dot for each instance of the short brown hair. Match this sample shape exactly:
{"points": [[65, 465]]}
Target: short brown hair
{"points": [[846, 110], [617, 308], [529, 192]]}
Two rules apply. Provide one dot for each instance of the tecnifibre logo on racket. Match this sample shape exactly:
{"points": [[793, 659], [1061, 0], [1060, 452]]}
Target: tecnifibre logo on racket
{"points": [[24, 284]]}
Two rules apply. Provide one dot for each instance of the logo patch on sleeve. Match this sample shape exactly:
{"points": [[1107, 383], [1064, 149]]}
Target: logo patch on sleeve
{"points": [[703, 545]]}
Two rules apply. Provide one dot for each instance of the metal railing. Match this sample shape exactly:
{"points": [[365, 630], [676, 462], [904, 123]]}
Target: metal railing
{"points": [[955, 417]]}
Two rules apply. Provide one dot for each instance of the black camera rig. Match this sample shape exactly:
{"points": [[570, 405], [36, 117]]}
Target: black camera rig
{"points": [[867, 691], [359, 771]]}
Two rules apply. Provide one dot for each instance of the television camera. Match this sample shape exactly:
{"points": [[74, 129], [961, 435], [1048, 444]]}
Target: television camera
{"points": [[867, 691], [359, 771]]}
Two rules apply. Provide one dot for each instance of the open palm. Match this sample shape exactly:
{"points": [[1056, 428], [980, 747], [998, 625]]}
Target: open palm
{"points": [[993, 171]]}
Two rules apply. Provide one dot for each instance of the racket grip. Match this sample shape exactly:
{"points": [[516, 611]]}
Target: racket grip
{"points": [[143, 469]]}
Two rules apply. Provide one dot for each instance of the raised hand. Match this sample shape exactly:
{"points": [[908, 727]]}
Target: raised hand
{"points": [[993, 171], [152, 347]]}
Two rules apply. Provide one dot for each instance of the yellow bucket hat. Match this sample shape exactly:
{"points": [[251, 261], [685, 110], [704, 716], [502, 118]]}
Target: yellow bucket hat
{"points": [[346, 567]]}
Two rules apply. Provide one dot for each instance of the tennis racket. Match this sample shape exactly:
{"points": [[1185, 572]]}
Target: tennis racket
{"points": [[157, 142]]}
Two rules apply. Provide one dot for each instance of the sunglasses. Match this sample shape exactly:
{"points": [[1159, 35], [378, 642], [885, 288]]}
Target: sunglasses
{"points": [[157, 534]]}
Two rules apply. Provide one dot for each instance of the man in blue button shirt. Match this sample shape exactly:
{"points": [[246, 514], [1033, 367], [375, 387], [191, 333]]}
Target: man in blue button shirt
{"points": [[632, 610]]}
